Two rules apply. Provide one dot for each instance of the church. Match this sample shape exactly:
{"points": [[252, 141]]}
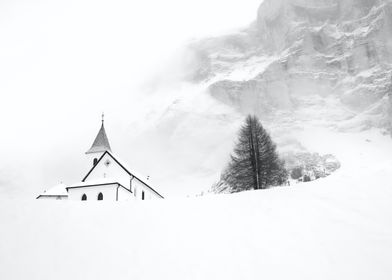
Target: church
{"points": [[108, 178]]}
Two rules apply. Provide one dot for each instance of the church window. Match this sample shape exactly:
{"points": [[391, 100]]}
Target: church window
{"points": [[100, 196], [134, 191], [142, 195], [84, 197], [95, 161]]}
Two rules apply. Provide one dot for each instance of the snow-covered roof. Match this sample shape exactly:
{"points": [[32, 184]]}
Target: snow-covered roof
{"points": [[95, 182], [101, 142], [58, 190]]}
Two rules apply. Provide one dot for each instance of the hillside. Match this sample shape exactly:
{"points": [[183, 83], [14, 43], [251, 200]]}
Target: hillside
{"points": [[334, 228]]}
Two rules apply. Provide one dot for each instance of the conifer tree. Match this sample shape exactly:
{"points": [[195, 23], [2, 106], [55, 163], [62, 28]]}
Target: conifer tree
{"points": [[254, 163]]}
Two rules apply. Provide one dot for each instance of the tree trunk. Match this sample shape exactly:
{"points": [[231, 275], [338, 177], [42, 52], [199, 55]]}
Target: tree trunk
{"points": [[253, 158]]}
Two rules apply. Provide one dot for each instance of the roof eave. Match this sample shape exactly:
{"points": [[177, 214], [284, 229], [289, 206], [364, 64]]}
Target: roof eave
{"points": [[95, 151]]}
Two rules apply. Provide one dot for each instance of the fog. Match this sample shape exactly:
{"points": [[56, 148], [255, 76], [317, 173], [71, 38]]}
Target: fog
{"points": [[63, 63]]}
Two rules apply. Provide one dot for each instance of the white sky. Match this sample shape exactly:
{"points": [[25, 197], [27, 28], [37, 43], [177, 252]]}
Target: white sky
{"points": [[64, 62]]}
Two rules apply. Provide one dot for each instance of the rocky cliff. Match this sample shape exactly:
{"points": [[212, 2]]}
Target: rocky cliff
{"points": [[319, 60]]}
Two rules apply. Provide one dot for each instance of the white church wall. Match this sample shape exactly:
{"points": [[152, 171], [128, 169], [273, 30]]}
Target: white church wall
{"points": [[108, 191], [138, 187], [111, 170], [124, 194], [112, 192], [90, 160]]}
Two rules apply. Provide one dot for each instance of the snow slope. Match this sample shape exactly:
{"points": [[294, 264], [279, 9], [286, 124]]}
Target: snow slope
{"points": [[335, 228]]}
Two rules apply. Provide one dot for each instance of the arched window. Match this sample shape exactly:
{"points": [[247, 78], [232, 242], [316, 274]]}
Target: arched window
{"points": [[142, 195], [84, 197], [95, 161], [100, 196], [134, 191]]}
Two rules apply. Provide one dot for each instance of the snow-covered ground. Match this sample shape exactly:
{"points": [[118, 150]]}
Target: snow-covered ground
{"points": [[339, 227]]}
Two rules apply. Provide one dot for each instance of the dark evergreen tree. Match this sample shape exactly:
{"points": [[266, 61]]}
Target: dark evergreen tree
{"points": [[296, 173], [254, 163]]}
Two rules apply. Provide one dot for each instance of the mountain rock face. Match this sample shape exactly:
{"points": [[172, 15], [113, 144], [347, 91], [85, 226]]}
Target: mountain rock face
{"points": [[302, 65], [320, 60]]}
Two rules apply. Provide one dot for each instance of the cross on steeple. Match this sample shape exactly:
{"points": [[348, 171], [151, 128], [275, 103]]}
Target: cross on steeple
{"points": [[103, 117]]}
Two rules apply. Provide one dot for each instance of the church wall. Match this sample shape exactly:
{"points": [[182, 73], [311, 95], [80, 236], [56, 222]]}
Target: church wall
{"points": [[113, 171], [112, 192], [140, 187], [108, 191], [125, 195], [90, 160], [117, 173]]}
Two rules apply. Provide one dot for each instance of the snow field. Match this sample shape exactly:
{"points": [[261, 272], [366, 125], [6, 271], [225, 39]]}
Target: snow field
{"points": [[339, 227]]}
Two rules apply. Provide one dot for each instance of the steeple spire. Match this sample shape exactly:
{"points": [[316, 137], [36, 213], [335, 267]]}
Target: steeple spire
{"points": [[101, 142]]}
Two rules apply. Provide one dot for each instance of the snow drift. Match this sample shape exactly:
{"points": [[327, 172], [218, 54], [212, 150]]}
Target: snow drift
{"points": [[335, 228]]}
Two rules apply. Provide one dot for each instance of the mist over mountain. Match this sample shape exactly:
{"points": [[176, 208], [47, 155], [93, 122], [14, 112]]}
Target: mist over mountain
{"points": [[299, 63], [323, 61], [64, 63]]}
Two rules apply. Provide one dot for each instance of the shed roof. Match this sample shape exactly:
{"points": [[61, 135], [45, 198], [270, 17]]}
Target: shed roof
{"points": [[58, 190]]}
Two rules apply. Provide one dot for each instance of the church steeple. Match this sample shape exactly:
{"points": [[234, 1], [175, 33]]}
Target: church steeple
{"points": [[101, 142]]}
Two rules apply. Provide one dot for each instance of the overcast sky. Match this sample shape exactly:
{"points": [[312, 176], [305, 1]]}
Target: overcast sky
{"points": [[64, 62]]}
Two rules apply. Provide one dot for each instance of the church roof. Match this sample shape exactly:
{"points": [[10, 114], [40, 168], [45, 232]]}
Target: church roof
{"points": [[58, 190], [101, 142], [96, 182]]}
